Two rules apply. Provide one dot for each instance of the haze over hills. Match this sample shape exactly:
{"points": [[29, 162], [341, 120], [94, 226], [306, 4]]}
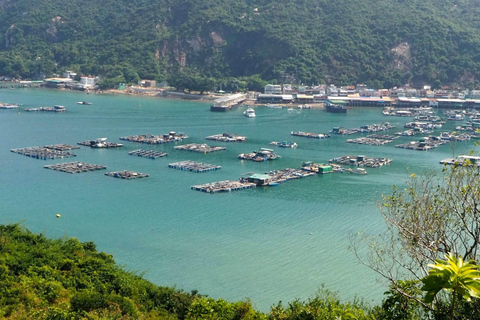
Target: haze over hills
{"points": [[382, 43]]}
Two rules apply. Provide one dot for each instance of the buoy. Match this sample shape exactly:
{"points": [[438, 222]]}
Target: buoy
{"points": [[58, 215]]}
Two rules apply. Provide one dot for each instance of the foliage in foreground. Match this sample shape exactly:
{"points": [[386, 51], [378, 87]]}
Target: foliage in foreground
{"points": [[43, 278]]}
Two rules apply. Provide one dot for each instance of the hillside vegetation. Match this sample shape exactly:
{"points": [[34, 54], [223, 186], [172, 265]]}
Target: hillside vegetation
{"points": [[382, 43]]}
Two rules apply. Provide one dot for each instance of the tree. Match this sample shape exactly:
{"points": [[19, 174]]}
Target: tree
{"points": [[455, 276], [431, 216]]}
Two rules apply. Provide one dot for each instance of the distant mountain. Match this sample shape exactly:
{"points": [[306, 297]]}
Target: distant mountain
{"points": [[382, 43]]}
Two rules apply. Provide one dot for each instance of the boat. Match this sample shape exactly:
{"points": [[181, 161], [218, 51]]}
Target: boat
{"points": [[8, 106], [358, 171], [250, 113], [284, 144], [84, 102], [335, 108]]}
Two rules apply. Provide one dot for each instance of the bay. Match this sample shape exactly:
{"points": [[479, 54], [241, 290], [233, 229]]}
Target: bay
{"points": [[265, 244]]}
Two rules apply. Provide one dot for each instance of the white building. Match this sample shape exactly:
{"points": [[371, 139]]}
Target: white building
{"points": [[69, 74], [273, 89], [87, 81]]}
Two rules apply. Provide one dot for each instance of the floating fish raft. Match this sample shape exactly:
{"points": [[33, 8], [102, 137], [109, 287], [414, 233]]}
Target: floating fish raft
{"points": [[201, 148], [43, 153], [224, 186], [226, 137], [74, 167], [100, 143], [263, 155], [153, 139], [125, 174], [369, 141], [61, 147], [150, 154], [310, 135], [189, 165], [361, 161]]}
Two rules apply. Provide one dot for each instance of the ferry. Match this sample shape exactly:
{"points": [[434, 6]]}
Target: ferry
{"points": [[249, 113]]}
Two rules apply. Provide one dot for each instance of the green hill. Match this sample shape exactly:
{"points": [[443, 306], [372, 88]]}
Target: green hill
{"points": [[382, 43]]}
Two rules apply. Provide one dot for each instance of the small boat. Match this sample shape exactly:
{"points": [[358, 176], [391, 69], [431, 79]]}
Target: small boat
{"points": [[250, 113], [84, 102], [358, 171], [8, 106]]}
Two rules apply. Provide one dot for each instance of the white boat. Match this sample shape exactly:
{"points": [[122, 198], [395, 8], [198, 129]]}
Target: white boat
{"points": [[250, 113], [8, 106]]}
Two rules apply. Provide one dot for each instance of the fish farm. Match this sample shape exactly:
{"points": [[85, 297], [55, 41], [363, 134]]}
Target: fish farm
{"points": [[61, 147], [284, 144], [74, 167], [263, 155], [361, 161], [150, 154], [125, 174], [193, 166], [369, 141], [153, 139], [43, 153], [226, 137], [201, 148], [224, 186], [310, 135], [100, 143]]}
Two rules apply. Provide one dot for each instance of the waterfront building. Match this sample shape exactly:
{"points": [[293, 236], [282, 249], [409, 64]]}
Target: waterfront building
{"points": [[87, 81], [273, 89]]}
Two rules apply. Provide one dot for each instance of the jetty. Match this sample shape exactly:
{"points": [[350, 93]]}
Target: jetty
{"points": [[100, 143], [227, 137], [310, 135], [224, 186], [43, 153], [189, 165], [150, 154], [200, 148], [125, 174], [263, 155], [172, 136], [74, 167], [361, 161], [228, 102]]}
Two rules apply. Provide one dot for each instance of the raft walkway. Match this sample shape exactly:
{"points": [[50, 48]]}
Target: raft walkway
{"points": [[223, 186], [310, 135], [189, 165], [156, 139], [125, 174], [43, 153], [226, 137], [361, 161], [150, 154], [200, 148], [74, 167]]}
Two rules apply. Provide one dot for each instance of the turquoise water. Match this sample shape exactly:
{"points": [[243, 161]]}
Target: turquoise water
{"points": [[266, 244]]}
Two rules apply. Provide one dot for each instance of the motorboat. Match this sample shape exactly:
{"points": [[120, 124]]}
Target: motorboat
{"points": [[250, 113], [84, 102]]}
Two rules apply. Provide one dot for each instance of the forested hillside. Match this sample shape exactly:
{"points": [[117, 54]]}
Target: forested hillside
{"points": [[379, 42]]}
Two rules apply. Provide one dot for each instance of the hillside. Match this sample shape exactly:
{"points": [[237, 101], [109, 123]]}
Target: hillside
{"points": [[382, 43]]}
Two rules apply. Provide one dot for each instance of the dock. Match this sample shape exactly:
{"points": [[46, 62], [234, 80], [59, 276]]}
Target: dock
{"points": [[43, 153], [361, 161], [227, 137], [150, 154], [189, 165], [228, 102], [224, 186], [61, 147], [100, 143], [125, 174], [156, 139], [74, 167], [200, 148], [310, 135]]}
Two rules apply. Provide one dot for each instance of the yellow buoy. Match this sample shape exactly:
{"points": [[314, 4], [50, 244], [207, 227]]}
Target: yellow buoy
{"points": [[58, 215]]}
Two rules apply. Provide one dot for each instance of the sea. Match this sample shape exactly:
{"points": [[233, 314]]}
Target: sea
{"points": [[267, 244]]}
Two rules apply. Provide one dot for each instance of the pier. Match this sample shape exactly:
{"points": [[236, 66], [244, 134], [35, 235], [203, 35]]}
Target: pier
{"points": [[193, 166], [226, 137], [100, 143], [227, 103], [74, 167], [150, 154], [156, 139], [224, 186], [310, 135], [125, 174], [361, 161], [200, 148], [43, 153]]}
